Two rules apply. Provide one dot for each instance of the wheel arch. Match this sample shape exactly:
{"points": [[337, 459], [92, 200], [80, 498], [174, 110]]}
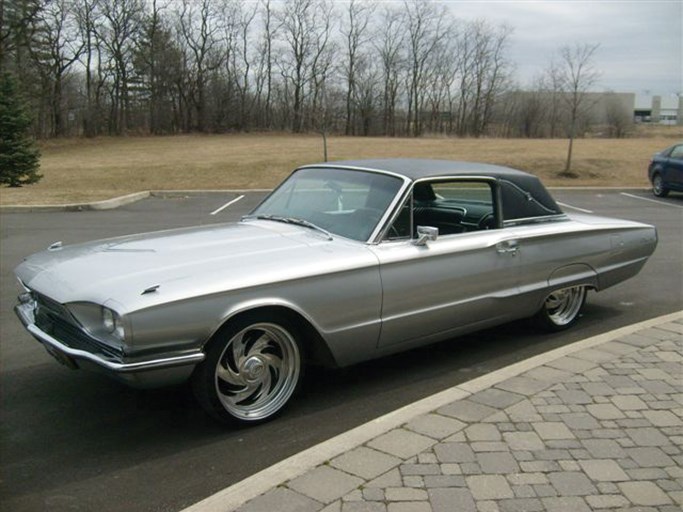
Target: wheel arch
{"points": [[574, 274], [314, 346]]}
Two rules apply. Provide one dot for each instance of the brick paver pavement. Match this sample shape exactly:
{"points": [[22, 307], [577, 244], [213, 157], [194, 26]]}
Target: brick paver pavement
{"points": [[599, 429]]}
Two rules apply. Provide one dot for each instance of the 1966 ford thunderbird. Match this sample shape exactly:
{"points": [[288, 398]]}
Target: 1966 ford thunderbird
{"points": [[343, 262]]}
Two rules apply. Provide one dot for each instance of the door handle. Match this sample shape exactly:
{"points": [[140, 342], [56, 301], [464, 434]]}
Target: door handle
{"points": [[508, 247]]}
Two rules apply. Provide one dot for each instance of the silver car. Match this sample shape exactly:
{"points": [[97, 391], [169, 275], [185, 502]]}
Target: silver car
{"points": [[343, 262]]}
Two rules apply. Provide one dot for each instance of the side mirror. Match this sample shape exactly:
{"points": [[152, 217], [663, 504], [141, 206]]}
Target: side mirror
{"points": [[426, 234]]}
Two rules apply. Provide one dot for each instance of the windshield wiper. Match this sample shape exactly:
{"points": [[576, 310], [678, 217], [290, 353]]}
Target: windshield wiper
{"points": [[290, 220]]}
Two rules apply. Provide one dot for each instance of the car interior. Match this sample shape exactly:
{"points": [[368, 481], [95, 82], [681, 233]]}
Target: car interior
{"points": [[452, 207]]}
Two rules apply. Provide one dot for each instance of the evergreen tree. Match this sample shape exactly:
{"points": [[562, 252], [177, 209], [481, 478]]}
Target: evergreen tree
{"points": [[18, 152]]}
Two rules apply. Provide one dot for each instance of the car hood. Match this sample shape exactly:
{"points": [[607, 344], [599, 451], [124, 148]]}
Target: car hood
{"points": [[138, 271]]}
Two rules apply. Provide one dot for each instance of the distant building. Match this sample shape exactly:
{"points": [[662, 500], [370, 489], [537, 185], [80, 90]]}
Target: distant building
{"points": [[667, 110]]}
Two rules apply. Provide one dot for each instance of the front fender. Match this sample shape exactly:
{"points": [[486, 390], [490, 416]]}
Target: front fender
{"points": [[248, 305], [655, 169]]}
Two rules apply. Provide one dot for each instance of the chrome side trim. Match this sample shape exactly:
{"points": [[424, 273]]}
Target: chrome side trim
{"points": [[153, 364], [535, 220]]}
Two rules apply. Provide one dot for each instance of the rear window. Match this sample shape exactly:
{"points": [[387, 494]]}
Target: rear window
{"points": [[520, 204]]}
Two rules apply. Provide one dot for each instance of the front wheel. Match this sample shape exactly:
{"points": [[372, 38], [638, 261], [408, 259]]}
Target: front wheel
{"points": [[561, 308], [252, 369], [658, 188]]}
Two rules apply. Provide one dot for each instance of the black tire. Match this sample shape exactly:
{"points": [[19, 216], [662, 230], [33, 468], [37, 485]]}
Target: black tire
{"points": [[252, 369], [561, 309], [658, 188]]}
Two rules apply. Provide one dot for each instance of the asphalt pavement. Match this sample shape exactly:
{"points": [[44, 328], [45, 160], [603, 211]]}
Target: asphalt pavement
{"points": [[79, 441]]}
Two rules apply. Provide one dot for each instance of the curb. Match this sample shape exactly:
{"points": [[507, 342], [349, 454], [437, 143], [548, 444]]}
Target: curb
{"points": [[107, 204], [236, 495], [116, 202]]}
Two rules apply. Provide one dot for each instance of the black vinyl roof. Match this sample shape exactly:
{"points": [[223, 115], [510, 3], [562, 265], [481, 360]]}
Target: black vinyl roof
{"points": [[415, 168], [523, 194]]}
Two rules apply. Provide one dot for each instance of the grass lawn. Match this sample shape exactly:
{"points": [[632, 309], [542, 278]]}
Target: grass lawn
{"points": [[81, 170]]}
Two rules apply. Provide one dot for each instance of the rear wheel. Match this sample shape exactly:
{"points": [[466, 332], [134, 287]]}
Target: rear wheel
{"points": [[658, 187], [252, 369], [561, 308]]}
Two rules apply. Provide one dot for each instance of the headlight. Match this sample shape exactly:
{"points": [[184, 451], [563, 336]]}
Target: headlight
{"points": [[101, 322], [108, 320], [111, 322]]}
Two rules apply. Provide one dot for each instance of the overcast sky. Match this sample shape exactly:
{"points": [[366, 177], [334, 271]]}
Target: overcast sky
{"points": [[640, 41]]}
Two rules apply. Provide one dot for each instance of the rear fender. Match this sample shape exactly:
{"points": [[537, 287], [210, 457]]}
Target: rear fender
{"points": [[569, 275], [573, 275]]}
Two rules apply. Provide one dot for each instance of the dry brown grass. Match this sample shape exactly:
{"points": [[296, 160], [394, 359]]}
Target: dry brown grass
{"points": [[79, 170]]}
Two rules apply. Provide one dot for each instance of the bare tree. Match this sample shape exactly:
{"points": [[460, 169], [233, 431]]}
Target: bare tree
{"points": [[483, 72], [324, 48], [439, 84], [118, 35], [297, 24], [367, 95], [464, 70], [306, 26], [551, 86], [493, 75], [577, 76], [264, 75], [159, 68], [391, 49], [56, 47], [424, 24], [246, 100], [199, 24], [355, 34], [85, 15], [357, 67], [532, 113], [618, 116]]}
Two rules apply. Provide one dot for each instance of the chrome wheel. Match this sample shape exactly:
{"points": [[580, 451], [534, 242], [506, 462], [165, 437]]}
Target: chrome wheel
{"points": [[257, 372], [252, 369], [561, 308]]}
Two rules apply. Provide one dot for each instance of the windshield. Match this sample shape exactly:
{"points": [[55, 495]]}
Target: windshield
{"points": [[344, 202]]}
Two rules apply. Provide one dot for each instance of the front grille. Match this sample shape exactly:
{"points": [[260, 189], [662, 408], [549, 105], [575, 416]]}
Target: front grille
{"points": [[49, 306], [55, 320]]}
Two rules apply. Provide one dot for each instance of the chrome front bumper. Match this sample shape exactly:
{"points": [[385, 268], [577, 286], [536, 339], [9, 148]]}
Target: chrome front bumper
{"points": [[69, 354]]}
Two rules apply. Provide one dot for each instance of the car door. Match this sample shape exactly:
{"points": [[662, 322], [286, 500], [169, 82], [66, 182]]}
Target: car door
{"points": [[672, 171], [465, 278]]}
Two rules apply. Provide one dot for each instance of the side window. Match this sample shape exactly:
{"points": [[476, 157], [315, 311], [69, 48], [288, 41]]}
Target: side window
{"points": [[677, 152], [402, 225], [452, 206]]}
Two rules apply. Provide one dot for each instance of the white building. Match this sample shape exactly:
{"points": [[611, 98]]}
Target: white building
{"points": [[666, 110]]}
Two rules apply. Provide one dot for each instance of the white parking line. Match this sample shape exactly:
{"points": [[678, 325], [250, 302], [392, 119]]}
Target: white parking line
{"points": [[226, 205], [574, 207], [652, 200]]}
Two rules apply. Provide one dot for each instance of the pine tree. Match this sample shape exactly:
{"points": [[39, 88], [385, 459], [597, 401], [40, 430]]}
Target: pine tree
{"points": [[18, 152]]}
